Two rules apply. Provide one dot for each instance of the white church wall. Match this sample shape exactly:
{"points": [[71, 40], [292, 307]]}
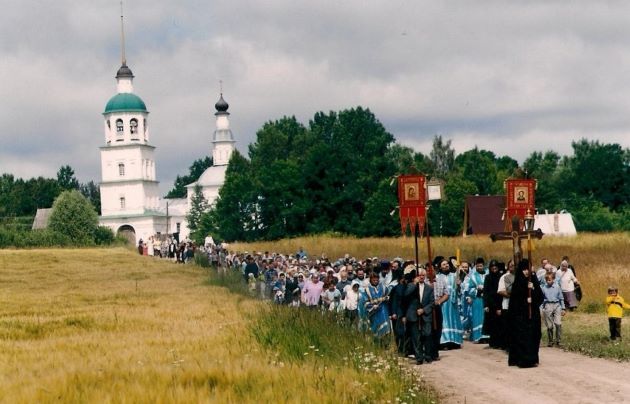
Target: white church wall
{"points": [[144, 227], [137, 196], [138, 163]]}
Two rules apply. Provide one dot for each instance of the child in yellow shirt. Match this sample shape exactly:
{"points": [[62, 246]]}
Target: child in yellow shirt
{"points": [[614, 308]]}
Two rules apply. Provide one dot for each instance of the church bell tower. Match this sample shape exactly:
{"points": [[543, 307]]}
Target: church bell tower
{"points": [[129, 188]]}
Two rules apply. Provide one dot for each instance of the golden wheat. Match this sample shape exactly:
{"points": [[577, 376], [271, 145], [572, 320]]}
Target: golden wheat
{"points": [[103, 325]]}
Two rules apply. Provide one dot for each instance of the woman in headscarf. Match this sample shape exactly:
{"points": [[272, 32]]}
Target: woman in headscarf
{"points": [[492, 306], [524, 318]]}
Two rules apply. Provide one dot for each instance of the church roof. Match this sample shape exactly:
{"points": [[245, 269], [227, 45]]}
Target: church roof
{"points": [[213, 176], [127, 102], [482, 214], [221, 105], [124, 71], [41, 218]]}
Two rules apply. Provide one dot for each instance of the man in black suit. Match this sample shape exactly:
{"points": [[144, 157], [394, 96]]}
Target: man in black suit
{"points": [[420, 300]]}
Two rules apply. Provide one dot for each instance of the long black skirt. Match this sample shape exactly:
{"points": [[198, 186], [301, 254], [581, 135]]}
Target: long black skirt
{"points": [[524, 339]]}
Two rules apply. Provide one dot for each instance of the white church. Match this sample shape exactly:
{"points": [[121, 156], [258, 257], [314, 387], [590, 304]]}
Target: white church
{"points": [[130, 200]]}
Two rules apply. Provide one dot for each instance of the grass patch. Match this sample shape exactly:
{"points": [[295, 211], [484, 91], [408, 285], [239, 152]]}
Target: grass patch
{"points": [[322, 341], [588, 334]]}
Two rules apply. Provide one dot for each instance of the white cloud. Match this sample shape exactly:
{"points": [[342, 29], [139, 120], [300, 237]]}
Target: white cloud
{"points": [[509, 77]]}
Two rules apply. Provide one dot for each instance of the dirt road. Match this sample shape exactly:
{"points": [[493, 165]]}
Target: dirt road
{"points": [[477, 374]]}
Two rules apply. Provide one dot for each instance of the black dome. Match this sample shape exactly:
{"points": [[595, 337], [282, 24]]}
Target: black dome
{"points": [[221, 105], [124, 71]]}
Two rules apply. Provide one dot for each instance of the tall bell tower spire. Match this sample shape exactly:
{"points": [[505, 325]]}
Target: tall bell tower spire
{"points": [[222, 140], [124, 76], [122, 36]]}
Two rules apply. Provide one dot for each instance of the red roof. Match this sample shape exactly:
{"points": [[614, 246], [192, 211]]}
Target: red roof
{"points": [[482, 214]]}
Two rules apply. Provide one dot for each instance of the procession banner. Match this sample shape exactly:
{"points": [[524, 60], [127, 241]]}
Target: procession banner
{"points": [[412, 202], [520, 198]]}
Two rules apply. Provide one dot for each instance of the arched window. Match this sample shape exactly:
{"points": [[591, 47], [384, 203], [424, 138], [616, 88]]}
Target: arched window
{"points": [[119, 127], [109, 125], [121, 169], [122, 202], [133, 126]]}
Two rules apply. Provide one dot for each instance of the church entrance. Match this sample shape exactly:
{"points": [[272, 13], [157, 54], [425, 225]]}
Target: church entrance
{"points": [[127, 232]]}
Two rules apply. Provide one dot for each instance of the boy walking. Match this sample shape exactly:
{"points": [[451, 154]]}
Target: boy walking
{"points": [[614, 308], [553, 308]]}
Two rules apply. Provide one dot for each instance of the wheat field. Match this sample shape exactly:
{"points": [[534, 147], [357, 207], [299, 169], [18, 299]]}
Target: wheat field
{"points": [[109, 326]]}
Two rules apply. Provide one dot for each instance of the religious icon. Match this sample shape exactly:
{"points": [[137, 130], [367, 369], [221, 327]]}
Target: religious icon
{"points": [[520, 194], [411, 192]]}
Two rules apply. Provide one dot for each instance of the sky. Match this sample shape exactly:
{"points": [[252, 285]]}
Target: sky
{"points": [[509, 77]]}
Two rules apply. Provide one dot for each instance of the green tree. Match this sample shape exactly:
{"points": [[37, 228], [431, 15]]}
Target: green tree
{"points": [[601, 171], [198, 206], [478, 166], [446, 217], [93, 194], [194, 172], [442, 156], [66, 178], [235, 214], [74, 216], [547, 170], [346, 166], [276, 163]]}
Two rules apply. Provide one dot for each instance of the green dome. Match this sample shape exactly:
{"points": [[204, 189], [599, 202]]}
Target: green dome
{"points": [[125, 102]]}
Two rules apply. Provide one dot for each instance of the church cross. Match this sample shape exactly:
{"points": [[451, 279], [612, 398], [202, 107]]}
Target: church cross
{"points": [[516, 235]]}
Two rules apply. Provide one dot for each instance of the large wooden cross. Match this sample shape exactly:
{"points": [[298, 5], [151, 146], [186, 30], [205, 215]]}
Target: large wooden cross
{"points": [[516, 235]]}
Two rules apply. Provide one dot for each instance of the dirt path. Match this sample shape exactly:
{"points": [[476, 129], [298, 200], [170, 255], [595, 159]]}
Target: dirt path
{"points": [[483, 376]]}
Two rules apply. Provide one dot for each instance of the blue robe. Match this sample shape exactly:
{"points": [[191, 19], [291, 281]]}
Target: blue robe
{"points": [[475, 279], [373, 305], [465, 309], [452, 330]]}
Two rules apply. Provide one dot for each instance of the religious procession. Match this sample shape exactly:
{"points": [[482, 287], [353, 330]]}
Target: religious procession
{"points": [[420, 309]]}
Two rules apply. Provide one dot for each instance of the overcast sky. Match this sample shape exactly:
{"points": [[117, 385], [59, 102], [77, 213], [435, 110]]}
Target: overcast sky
{"points": [[510, 77]]}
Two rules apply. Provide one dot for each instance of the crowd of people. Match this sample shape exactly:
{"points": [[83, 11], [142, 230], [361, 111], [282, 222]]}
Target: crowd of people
{"points": [[167, 247], [424, 308]]}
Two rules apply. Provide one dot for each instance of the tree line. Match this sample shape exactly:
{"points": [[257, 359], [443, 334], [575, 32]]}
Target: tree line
{"points": [[335, 174], [22, 198]]}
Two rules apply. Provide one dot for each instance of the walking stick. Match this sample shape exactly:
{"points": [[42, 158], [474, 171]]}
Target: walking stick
{"points": [[529, 258]]}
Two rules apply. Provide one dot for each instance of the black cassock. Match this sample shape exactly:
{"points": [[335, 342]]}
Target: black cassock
{"points": [[524, 332]]}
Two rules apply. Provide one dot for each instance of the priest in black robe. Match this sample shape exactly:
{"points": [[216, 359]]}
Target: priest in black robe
{"points": [[524, 318]]}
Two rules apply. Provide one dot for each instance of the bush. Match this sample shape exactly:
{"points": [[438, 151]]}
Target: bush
{"points": [[34, 238], [72, 214], [590, 215], [103, 235]]}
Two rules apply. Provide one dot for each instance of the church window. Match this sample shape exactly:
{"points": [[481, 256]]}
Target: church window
{"points": [[109, 125], [119, 127], [122, 202], [133, 126], [179, 225], [121, 169]]}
